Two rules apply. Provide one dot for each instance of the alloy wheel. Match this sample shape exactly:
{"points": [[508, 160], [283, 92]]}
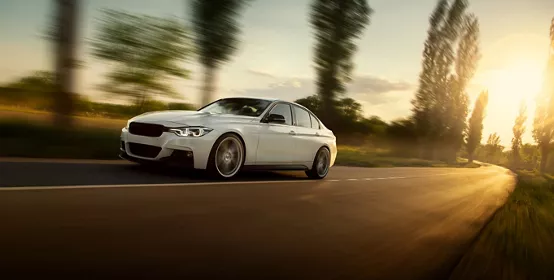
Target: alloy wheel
{"points": [[228, 157]]}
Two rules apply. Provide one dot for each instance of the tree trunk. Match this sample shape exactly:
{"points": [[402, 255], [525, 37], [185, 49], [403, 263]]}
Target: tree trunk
{"points": [[544, 157], [66, 29], [470, 157], [208, 88]]}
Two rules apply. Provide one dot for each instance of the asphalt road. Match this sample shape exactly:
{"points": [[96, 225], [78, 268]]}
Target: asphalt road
{"points": [[398, 223]]}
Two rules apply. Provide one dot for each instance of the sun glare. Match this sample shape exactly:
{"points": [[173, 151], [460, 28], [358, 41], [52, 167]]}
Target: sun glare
{"points": [[521, 81], [517, 82]]}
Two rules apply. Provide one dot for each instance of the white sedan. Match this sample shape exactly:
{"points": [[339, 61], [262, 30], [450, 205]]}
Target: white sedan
{"points": [[231, 134]]}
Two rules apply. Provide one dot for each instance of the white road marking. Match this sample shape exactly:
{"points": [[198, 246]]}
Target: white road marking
{"points": [[148, 185], [76, 187]]}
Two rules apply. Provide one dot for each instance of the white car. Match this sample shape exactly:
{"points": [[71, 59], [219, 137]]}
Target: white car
{"points": [[231, 134]]}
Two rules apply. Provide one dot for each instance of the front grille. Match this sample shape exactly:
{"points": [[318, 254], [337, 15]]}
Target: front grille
{"points": [[146, 129], [143, 150]]}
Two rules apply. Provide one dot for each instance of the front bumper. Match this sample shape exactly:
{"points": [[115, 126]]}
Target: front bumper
{"points": [[177, 159], [168, 148]]}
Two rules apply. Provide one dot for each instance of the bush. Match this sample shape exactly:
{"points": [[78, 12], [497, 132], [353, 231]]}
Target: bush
{"points": [[21, 139]]}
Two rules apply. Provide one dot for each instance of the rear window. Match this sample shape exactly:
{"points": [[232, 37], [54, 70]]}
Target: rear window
{"points": [[302, 117], [315, 123]]}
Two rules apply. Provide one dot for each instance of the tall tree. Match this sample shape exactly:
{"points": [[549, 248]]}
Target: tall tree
{"points": [[475, 130], [217, 32], [440, 104], [493, 147], [425, 101], [543, 124], [144, 52], [65, 38], [518, 130], [457, 100], [336, 23]]}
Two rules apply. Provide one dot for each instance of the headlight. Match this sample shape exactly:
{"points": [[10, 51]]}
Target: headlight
{"points": [[193, 131]]}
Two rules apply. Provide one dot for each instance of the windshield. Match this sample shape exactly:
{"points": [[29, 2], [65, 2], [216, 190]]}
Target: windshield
{"points": [[238, 106]]}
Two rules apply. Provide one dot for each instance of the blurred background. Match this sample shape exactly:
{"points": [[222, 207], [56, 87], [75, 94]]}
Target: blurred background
{"points": [[427, 83], [90, 65]]}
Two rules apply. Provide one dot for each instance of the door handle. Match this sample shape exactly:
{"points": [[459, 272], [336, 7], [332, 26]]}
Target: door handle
{"points": [[317, 134], [292, 132]]}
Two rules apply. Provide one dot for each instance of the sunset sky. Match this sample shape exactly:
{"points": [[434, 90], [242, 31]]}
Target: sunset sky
{"points": [[275, 56]]}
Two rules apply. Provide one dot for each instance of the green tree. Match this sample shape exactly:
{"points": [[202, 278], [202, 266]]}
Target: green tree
{"points": [[37, 81], [475, 129], [426, 100], [350, 108], [144, 53], [336, 23], [530, 156], [65, 40], [450, 56], [349, 115], [457, 100], [493, 148], [34, 91], [216, 30], [313, 103], [518, 130], [543, 124]]}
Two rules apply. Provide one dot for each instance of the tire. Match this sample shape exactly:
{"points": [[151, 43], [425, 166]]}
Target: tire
{"points": [[321, 165], [227, 156]]}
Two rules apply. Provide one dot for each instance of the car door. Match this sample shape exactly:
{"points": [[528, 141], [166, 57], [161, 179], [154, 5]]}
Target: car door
{"points": [[276, 143], [307, 140]]}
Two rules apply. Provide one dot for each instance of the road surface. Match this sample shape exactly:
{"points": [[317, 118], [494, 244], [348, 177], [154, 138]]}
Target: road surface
{"points": [[397, 223]]}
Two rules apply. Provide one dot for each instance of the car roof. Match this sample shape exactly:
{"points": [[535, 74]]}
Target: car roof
{"points": [[270, 99], [277, 100]]}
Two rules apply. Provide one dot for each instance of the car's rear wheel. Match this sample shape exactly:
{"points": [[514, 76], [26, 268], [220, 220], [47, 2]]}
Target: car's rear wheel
{"points": [[227, 156], [321, 164]]}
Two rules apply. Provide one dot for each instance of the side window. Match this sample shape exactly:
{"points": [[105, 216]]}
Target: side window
{"points": [[315, 123], [302, 117], [284, 110]]}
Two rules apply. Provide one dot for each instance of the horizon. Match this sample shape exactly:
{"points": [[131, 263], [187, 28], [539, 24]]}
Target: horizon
{"points": [[275, 54]]}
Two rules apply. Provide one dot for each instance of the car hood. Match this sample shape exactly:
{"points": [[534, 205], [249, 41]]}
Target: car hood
{"points": [[178, 117]]}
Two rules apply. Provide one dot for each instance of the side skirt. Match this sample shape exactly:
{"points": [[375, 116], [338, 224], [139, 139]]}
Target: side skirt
{"points": [[275, 167]]}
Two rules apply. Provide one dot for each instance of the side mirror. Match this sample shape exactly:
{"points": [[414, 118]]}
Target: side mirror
{"points": [[276, 118]]}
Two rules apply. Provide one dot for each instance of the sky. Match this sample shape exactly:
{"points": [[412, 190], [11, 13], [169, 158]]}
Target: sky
{"points": [[275, 55]]}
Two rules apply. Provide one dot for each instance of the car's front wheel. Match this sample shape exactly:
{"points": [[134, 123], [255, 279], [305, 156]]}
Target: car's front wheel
{"points": [[227, 156], [321, 164]]}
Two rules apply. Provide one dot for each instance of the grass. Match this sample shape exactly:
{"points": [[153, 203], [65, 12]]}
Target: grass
{"points": [[11, 114], [98, 138], [40, 140], [518, 243], [356, 156], [10, 101]]}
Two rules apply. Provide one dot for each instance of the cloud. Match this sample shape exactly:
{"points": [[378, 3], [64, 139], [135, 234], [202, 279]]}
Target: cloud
{"points": [[261, 73], [370, 89], [371, 85], [286, 89]]}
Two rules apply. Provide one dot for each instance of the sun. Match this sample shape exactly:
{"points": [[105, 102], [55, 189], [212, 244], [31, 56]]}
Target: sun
{"points": [[508, 87], [520, 81]]}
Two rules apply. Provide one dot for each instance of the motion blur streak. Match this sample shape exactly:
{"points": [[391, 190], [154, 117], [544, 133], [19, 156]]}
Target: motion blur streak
{"points": [[414, 228]]}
